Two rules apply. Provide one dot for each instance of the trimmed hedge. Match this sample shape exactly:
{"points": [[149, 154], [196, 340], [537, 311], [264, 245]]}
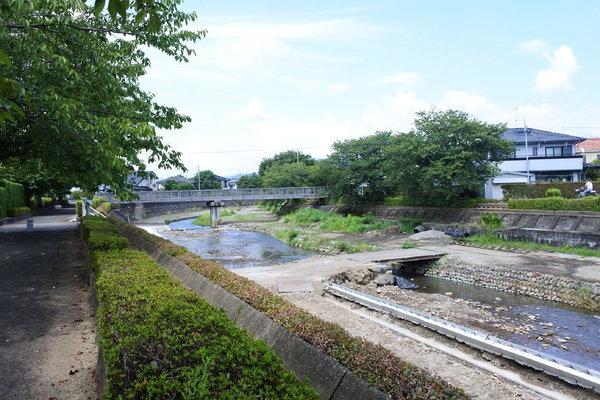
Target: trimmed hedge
{"points": [[557, 204], [15, 194], [538, 190], [3, 202], [374, 363], [96, 201], [79, 208], [104, 208], [161, 341], [17, 212]]}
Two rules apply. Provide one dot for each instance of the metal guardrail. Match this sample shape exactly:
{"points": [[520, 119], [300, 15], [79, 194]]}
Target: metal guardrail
{"points": [[171, 196], [570, 372]]}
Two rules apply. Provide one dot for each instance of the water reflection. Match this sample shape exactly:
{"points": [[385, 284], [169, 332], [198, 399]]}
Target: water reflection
{"points": [[234, 249]]}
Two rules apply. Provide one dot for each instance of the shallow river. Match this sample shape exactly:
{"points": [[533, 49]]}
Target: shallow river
{"points": [[232, 248], [575, 329]]}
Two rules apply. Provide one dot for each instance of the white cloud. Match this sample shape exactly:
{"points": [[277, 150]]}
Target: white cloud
{"points": [[533, 46], [254, 109], [563, 64], [474, 104], [337, 88], [401, 78]]}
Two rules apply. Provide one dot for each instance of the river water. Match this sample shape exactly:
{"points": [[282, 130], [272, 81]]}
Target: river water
{"points": [[233, 248], [572, 333]]}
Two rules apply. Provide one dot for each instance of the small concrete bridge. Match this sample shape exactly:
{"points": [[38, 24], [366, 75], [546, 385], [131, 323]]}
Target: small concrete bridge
{"points": [[212, 198], [218, 195]]}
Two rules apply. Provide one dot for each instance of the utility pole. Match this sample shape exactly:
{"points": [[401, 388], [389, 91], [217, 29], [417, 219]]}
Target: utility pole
{"points": [[526, 151]]}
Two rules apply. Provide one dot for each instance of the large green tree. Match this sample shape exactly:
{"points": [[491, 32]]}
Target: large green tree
{"points": [[206, 180], [70, 98], [249, 181], [286, 157], [446, 158], [290, 175], [354, 171]]}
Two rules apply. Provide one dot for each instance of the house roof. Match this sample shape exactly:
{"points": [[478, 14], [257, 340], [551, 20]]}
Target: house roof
{"points": [[517, 136], [592, 144], [136, 179]]}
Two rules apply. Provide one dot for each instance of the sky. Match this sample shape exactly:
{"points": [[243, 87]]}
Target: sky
{"points": [[277, 75]]}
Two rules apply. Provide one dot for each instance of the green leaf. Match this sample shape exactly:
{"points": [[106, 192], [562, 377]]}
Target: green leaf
{"points": [[4, 58], [99, 6]]}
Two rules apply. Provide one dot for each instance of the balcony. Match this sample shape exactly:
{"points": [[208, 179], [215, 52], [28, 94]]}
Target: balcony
{"points": [[540, 164]]}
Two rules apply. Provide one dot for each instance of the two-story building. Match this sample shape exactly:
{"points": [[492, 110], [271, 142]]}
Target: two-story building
{"points": [[539, 156]]}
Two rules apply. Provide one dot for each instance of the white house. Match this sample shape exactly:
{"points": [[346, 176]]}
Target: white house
{"points": [[539, 156]]}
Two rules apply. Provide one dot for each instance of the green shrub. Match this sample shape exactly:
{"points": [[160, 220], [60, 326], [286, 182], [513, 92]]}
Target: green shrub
{"points": [[104, 208], [15, 194], [383, 369], [3, 204], [556, 203], [12, 212], [77, 194], [395, 201], [162, 341], [105, 241], [330, 221], [408, 224], [97, 224], [491, 220], [538, 190], [79, 208], [553, 192], [96, 201]]}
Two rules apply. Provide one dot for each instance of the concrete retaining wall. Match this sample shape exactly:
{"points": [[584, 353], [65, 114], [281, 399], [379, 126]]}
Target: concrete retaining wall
{"points": [[575, 221], [554, 238], [562, 289], [328, 377]]}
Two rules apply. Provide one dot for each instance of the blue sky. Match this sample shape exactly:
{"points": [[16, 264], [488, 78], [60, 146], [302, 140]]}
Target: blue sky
{"points": [[278, 75]]}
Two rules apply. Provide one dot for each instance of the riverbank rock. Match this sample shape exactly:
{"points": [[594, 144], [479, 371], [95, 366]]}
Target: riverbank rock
{"points": [[384, 280], [431, 237]]}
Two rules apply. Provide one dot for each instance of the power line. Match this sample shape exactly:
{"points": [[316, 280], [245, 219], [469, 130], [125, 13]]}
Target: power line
{"points": [[250, 150]]}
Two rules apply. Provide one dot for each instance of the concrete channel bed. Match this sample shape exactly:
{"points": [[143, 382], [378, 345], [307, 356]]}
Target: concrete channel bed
{"points": [[569, 372]]}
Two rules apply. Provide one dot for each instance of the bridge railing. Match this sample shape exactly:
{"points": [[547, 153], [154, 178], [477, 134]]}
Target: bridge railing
{"points": [[313, 192]]}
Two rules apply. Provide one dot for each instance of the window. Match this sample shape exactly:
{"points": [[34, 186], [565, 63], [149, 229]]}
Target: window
{"points": [[568, 151], [554, 151], [534, 151]]}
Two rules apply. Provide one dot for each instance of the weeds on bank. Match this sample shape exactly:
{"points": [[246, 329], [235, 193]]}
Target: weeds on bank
{"points": [[330, 221], [490, 239], [204, 218], [306, 241]]}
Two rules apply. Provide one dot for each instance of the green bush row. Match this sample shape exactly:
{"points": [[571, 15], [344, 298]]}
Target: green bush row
{"points": [[12, 196], [79, 208], [96, 201], [17, 212], [104, 208], [374, 363], [538, 190], [556, 203], [161, 341]]}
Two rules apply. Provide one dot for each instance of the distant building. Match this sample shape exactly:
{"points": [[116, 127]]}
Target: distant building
{"points": [[547, 157], [589, 149], [177, 179], [141, 183]]}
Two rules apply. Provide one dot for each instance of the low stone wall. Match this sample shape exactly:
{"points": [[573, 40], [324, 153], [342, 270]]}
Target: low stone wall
{"points": [[562, 289], [574, 221], [330, 379], [554, 238]]}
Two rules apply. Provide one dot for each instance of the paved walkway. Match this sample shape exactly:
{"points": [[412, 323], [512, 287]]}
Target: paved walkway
{"points": [[47, 329]]}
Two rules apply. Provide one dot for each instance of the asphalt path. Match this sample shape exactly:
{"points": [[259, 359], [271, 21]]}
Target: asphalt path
{"points": [[47, 328]]}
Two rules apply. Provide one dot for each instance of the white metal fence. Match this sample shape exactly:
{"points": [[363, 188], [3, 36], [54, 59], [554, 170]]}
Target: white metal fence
{"points": [[172, 196]]}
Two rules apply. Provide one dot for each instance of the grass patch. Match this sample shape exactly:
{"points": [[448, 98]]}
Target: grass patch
{"points": [[490, 239], [408, 245], [374, 363], [162, 341], [312, 242], [204, 218], [330, 221]]}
